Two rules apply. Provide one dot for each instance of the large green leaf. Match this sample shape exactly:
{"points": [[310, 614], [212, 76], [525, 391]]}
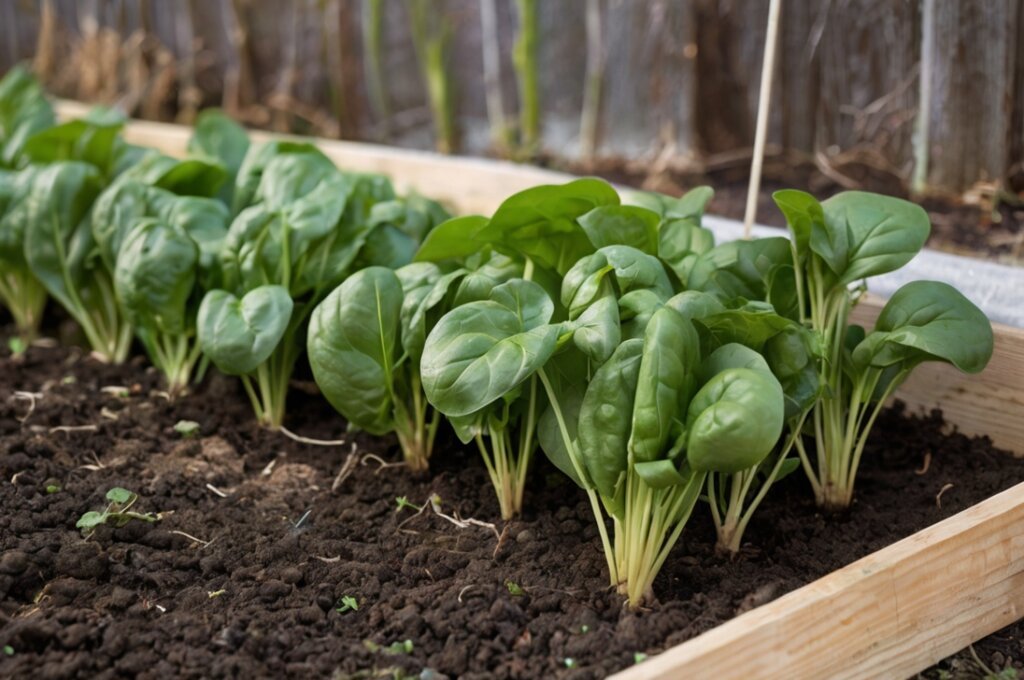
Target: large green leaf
{"points": [[155, 275], [690, 205], [867, 234], [734, 421], [240, 334], [24, 110], [740, 270], [59, 239], [352, 345], [605, 418], [626, 225], [91, 140], [482, 350], [928, 321], [541, 223], [667, 379], [215, 135], [426, 288]]}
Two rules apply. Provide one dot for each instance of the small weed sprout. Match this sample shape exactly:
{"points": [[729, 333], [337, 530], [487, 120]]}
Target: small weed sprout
{"points": [[514, 589], [403, 503], [187, 428], [346, 604], [117, 512]]}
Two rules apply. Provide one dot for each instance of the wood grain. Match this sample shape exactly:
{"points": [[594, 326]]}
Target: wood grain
{"points": [[889, 615]]}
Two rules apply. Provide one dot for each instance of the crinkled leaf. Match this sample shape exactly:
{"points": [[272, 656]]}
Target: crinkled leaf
{"points": [[482, 350]]}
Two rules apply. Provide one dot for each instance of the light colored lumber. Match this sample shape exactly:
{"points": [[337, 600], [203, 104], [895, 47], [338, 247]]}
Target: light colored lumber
{"points": [[888, 615], [989, 403]]}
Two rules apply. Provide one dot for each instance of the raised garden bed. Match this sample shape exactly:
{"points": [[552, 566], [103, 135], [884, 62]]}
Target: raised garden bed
{"points": [[263, 598]]}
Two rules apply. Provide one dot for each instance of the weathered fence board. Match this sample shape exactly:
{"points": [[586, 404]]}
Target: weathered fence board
{"points": [[676, 80]]}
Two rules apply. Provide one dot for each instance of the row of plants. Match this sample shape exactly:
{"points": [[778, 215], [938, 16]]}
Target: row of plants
{"points": [[657, 370]]}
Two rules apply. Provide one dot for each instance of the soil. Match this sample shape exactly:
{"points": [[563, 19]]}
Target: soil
{"points": [[244, 573]]}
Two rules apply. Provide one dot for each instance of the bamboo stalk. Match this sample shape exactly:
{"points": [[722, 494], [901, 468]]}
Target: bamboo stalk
{"points": [[590, 113], [919, 182], [764, 100]]}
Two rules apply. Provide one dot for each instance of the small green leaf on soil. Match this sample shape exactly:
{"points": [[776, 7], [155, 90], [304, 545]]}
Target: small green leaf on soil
{"points": [[514, 589], [187, 428], [119, 495], [347, 603]]}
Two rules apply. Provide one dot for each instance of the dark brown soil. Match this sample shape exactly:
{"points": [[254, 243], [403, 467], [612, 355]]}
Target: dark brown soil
{"points": [[243, 575]]}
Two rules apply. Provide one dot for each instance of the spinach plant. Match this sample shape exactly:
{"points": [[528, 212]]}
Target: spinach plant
{"points": [[299, 227], [59, 250], [835, 245], [160, 234], [364, 346], [24, 111], [20, 291]]}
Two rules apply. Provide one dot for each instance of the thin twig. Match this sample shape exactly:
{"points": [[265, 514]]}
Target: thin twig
{"points": [[217, 491], [346, 469], [308, 440], [192, 538], [31, 396], [74, 428], [435, 505], [382, 464]]}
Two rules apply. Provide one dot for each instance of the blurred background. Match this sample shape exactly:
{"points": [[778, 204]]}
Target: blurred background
{"points": [[920, 98]]}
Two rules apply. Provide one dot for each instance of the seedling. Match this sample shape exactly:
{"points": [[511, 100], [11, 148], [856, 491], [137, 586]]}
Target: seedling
{"points": [[52, 488], [216, 593], [16, 345], [8, 650], [404, 503], [569, 662], [514, 589], [347, 603], [639, 657], [187, 428], [116, 513]]}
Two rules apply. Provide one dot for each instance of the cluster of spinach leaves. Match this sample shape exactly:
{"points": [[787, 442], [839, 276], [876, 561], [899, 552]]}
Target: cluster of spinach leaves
{"points": [[301, 226], [656, 369]]}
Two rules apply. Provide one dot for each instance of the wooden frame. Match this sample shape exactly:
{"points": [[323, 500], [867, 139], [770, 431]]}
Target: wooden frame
{"points": [[890, 614]]}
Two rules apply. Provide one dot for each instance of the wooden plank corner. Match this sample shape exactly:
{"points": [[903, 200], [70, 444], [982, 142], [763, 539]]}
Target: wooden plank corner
{"points": [[890, 614]]}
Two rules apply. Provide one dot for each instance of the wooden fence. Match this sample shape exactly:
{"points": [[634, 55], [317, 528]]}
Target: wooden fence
{"points": [[656, 84]]}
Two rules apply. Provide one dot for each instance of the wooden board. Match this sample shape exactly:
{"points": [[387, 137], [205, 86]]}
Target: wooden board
{"points": [[890, 614]]}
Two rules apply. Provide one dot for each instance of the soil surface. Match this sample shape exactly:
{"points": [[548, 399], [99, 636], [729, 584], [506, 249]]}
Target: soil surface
{"points": [[245, 573]]}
